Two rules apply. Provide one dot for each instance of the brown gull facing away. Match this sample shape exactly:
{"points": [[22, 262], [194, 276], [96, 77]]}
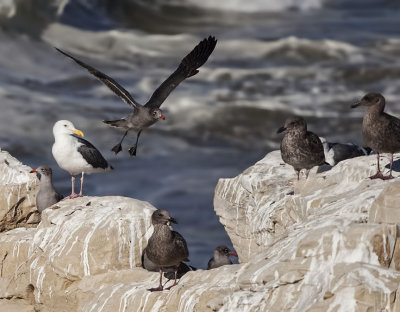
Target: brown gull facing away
{"points": [[300, 148], [166, 248], [381, 131]]}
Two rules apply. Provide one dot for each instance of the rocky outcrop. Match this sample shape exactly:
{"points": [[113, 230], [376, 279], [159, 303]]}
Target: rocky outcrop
{"points": [[329, 243], [18, 190], [76, 240]]}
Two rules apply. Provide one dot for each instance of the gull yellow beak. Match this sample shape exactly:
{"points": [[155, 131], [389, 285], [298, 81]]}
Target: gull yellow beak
{"points": [[78, 132]]}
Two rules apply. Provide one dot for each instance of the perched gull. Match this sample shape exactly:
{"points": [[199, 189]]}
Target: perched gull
{"points": [[381, 131], [76, 155], [221, 257], [169, 272], [143, 117], [47, 195], [336, 152], [166, 248], [300, 148]]}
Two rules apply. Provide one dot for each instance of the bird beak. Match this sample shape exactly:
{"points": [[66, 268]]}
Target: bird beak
{"points": [[233, 254], [33, 171], [281, 129], [162, 117], [173, 220], [356, 104], [78, 132]]}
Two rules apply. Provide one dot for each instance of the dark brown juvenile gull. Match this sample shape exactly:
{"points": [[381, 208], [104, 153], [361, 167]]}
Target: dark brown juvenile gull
{"points": [[169, 272], [300, 148], [143, 116], [166, 248], [381, 131], [47, 195], [221, 257]]}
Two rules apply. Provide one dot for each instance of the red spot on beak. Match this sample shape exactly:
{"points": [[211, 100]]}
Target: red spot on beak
{"points": [[233, 254], [162, 117], [33, 170]]}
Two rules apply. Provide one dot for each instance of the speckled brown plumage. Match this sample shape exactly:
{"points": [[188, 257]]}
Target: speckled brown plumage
{"points": [[300, 148], [381, 131], [166, 248]]}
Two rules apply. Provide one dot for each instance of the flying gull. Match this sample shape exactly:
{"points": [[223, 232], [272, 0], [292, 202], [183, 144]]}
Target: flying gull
{"points": [[76, 155], [380, 131], [143, 116], [166, 248], [221, 257], [47, 195], [300, 148]]}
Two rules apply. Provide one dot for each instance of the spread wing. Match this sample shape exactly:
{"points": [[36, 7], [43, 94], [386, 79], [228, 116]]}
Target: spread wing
{"points": [[108, 81], [187, 68]]}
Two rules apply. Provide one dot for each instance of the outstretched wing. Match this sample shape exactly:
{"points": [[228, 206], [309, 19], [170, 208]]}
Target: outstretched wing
{"points": [[187, 68], [108, 81]]}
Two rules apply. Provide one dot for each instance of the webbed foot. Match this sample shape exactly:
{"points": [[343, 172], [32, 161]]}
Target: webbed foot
{"points": [[132, 150], [378, 175], [159, 288], [117, 148]]}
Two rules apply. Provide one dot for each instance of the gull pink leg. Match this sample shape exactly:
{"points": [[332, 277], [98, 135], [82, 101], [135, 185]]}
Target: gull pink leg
{"points": [[82, 179], [73, 194], [378, 174], [160, 287], [176, 272], [390, 174]]}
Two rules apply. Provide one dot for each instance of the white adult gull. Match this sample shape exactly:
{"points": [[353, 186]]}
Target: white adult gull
{"points": [[75, 154]]}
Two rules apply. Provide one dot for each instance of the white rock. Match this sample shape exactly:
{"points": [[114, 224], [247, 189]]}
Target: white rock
{"points": [[328, 247]]}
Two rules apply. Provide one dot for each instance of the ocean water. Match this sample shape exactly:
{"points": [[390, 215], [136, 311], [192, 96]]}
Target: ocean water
{"points": [[273, 59]]}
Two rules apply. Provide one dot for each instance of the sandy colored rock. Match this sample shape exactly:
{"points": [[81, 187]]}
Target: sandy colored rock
{"points": [[18, 190], [83, 237], [385, 208], [314, 250]]}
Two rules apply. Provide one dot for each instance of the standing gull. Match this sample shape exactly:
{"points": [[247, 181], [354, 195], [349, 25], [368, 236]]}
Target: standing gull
{"points": [[76, 155], [381, 131], [169, 272], [47, 195], [143, 116], [166, 248], [221, 257], [300, 148]]}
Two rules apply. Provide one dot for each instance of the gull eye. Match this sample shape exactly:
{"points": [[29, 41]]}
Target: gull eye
{"points": [[65, 126]]}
